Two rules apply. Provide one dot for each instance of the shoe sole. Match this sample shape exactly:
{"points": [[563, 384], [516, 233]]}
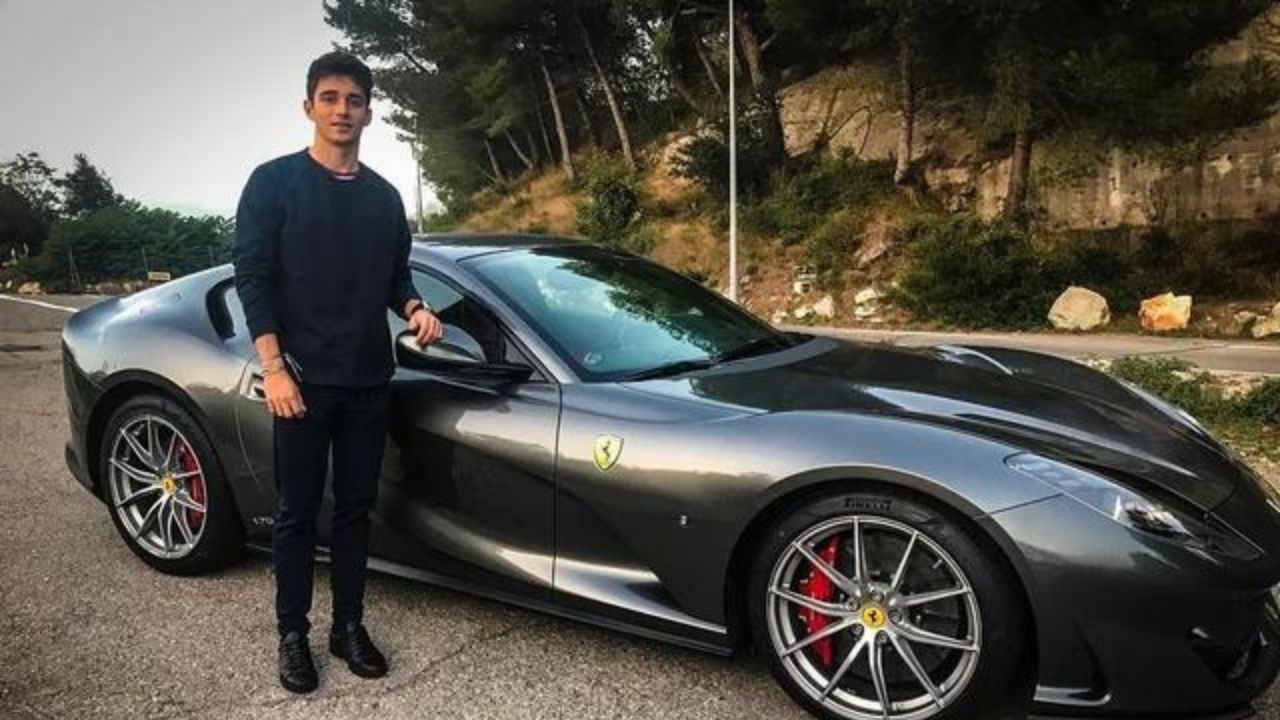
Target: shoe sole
{"points": [[355, 669], [299, 688]]}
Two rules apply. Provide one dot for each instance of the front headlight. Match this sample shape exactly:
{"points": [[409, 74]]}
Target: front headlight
{"points": [[1130, 509]]}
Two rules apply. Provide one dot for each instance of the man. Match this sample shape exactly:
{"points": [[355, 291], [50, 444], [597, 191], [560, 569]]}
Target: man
{"points": [[321, 253]]}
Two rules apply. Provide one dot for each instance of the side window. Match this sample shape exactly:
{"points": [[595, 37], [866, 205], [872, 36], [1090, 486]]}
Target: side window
{"points": [[454, 308]]}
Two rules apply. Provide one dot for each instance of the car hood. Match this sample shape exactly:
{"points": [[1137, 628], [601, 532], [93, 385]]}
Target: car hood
{"points": [[1038, 402]]}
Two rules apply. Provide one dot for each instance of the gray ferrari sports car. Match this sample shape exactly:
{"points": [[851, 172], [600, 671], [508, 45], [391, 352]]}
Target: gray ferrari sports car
{"points": [[901, 533]]}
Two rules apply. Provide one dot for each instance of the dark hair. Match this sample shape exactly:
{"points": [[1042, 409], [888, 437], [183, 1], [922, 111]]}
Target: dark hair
{"points": [[339, 63]]}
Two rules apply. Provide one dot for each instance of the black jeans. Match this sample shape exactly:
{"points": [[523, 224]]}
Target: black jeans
{"points": [[353, 423]]}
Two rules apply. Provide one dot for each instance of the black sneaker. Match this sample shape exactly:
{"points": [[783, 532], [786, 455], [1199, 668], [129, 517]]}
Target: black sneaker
{"points": [[297, 671], [351, 643]]}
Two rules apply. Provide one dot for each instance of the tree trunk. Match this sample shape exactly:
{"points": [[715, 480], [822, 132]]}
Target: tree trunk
{"points": [[493, 162], [615, 107], [566, 159], [1015, 199], [546, 138], [761, 82], [519, 153], [906, 129], [533, 146], [685, 92], [588, 127], [677, 83], [706, 65]]}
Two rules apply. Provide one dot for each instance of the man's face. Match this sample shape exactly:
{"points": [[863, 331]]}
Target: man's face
{"points": [[339, 108]]}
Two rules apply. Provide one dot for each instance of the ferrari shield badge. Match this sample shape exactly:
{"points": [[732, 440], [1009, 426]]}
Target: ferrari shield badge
{"points": [[607, 450]]}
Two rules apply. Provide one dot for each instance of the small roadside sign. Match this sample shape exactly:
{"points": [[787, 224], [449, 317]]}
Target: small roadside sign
{"points": [[159, 275]]}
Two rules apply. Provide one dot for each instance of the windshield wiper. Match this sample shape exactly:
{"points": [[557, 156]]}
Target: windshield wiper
{"points": [[671, 368], [747, 349], [753, 347]]}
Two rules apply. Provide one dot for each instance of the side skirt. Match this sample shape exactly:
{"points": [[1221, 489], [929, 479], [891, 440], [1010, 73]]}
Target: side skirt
{"points": [[722, 649]]}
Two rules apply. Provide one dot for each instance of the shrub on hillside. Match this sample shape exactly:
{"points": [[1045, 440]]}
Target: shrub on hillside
{"points": [[974, 274], [801, 199], [705, 160], [610, 212]]}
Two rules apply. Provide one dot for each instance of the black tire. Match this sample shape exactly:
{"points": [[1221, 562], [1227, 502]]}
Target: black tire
{"points": [[1002, 628], [221, 540]]}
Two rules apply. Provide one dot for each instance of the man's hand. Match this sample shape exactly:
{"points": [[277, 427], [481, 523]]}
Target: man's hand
{"points": [[425, 326], [283, 398]]}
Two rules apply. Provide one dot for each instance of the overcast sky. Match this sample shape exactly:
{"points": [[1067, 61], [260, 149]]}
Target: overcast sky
{"points": [[176, 100]]}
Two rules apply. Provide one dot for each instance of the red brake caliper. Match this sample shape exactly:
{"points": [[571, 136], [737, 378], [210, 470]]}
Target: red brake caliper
{"points": [[819, 587], [195, 486]]}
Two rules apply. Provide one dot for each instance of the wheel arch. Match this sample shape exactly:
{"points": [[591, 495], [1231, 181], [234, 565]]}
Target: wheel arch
{"points": [[806, 487], [120, 389]]}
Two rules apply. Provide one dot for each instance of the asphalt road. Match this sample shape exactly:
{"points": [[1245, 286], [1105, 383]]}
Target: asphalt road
{"points": [[88, 630], [1241, 355]]}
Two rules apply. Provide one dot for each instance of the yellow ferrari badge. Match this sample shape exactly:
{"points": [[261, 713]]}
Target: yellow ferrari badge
{"points": [[170, 487], [607, 450], [873, 617]]}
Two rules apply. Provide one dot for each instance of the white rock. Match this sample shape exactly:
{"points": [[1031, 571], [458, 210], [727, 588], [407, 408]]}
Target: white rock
{"points": [[779, 317], [867, 296], [863, 312], [802, 312], [1079, 308], [1269, 325], [1264, 328], [30, 288], [826, 307]]}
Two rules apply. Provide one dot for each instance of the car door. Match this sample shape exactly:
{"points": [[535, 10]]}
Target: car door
{"points": [[468, 485]]}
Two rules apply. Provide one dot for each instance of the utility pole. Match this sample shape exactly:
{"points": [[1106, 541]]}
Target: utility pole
{"points": [[71, 265], [417, 182], [733, 166]]}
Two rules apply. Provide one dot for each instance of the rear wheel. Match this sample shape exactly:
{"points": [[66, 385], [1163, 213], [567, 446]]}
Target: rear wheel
{"points": [[165, 490], [877, 605]]}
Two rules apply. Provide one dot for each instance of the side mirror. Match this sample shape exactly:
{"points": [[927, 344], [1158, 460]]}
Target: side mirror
{"points": [[455, 353]]}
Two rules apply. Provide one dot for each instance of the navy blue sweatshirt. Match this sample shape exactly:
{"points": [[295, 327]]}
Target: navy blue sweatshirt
{"points": [[318, 261]]}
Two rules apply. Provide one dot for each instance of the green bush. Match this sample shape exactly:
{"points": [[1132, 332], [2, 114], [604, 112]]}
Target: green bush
{"points": [[445, 221], [127, 240], [1175, 381], [969, 273], [802, 198], [705, 161], [610, 212], [1195, 391], [1263, 402], [832, 243]]}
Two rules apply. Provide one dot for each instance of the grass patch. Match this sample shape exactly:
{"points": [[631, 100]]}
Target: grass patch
{"points": [[1249, 422]]}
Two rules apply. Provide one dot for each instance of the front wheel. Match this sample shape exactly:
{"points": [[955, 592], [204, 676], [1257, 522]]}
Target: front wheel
{"points": [[165, 490], [874, 605]]}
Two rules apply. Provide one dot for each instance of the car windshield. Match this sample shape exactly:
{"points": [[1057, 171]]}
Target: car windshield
{"points": [[617, 317]]}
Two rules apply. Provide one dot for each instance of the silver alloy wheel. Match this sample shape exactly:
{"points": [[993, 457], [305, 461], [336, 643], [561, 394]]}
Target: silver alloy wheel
{"points": [[157, 487], [910, 630]]}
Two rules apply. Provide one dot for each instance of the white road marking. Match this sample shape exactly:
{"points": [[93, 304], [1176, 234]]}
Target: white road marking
{"points": [[37, 303]]}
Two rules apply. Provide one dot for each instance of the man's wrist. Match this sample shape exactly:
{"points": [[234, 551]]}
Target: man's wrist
{"points": [[414, 306]]}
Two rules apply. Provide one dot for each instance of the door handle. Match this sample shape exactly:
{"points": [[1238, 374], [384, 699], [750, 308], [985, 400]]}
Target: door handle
{"points": [[254, 388]]}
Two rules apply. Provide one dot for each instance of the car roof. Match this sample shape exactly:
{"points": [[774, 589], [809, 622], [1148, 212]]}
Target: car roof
{"points": [[458, 246]]}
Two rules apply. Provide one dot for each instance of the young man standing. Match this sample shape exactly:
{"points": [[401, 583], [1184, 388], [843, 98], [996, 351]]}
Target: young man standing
{"points": [[321, 253]]}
